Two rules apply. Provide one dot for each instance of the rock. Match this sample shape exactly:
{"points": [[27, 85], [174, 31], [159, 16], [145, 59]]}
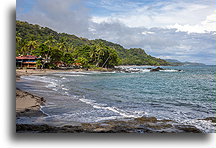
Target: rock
{"points": [[212, 119], [137, 125], [156, 69], [188, 129], [146, 119]]}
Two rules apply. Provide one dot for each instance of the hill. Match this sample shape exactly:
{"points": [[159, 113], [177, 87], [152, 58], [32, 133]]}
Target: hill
{"points": [[177, 63], [69, 49]]}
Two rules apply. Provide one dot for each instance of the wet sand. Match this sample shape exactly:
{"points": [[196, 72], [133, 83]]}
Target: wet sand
{"points": [[28, 104]]}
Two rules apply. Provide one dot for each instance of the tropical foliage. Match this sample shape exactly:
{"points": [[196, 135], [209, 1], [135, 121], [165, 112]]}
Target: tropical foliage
{"points": [[55, 47]]}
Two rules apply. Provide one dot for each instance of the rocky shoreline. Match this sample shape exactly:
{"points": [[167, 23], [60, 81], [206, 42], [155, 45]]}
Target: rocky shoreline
{"points": [[137, 125]]}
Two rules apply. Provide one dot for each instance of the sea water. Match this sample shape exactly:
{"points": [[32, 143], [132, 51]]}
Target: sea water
{"points": [[187, 96]]}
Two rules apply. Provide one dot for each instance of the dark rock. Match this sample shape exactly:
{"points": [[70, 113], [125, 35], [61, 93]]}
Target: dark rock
{"points": [[137, 125], [146, 119], [188, 128], [156, 69], [212, 119], [27, 110], [159, 126]]}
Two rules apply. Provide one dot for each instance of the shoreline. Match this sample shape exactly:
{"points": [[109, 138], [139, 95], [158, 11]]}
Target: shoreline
{"points": [[135, 125], [28, 104]]}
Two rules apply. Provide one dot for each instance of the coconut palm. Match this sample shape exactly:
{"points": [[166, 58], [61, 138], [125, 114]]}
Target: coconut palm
{"points": [[31, 45], [50, 42], [63, 45]]}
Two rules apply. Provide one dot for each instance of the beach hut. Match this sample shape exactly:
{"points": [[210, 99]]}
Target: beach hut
{"points": [[27, 61]]}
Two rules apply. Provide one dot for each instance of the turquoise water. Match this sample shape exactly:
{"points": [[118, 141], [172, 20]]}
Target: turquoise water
{"points": [[184, 97]]}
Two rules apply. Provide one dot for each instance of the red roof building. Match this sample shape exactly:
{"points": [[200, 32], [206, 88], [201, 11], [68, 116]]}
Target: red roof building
{"points": [[27, 61], [27, 57]]}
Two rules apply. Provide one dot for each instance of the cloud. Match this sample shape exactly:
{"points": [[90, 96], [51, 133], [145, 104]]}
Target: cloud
{"points": [[172, 14], [207, 25], [160, 42], [63, 16]]}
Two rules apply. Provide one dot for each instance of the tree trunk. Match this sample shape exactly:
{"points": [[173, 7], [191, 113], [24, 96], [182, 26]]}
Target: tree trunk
{"points": [[105, 61]]}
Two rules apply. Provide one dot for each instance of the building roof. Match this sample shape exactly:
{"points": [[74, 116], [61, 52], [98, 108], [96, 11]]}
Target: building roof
{"points": [[26, 57]]}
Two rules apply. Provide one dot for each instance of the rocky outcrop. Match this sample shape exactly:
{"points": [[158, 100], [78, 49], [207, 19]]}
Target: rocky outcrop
{"points": [[137, 125], [156, 69]]}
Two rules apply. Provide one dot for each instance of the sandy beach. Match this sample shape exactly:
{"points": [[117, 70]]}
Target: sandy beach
{"points": [[28, 104], [25, 72]]}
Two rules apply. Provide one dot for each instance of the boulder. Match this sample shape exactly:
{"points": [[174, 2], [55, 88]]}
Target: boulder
{"points": [[157, 69]]}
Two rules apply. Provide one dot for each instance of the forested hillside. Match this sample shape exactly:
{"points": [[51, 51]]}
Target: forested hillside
{"points": [[61, 47]]}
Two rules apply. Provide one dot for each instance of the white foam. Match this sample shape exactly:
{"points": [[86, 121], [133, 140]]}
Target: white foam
{"points": [[49, 82], [41, 109], [169, 70], [68, 75], [145, 70], [64, 88], [106, 118], [41, 79], [113, 109], [140, 70], [203, 125]]}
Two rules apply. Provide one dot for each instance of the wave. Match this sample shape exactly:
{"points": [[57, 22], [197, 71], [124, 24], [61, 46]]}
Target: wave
{"points": [[122, 113], [89, 73], [171, 70], [49, 82], [67, 75], [41, 79], [203, 125], [139, 70]]}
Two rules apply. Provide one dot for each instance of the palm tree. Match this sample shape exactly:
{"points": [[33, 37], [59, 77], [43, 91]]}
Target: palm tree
{"points": [[63, 46], [18, 39], [28, 47], [50, 42], [18, 42], [92, 54], [31, 45], [47, 52], [100, 52]]}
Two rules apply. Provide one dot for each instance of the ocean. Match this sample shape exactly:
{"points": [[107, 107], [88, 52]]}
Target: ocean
{"points": [[187, 96]]}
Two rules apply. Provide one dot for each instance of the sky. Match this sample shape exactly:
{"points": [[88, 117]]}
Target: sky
{"points": [[169, 29]]}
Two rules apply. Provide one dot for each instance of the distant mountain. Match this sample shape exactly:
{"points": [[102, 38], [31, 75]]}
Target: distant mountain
{"points": [[192, 63], [176, 62], [172, 60]]}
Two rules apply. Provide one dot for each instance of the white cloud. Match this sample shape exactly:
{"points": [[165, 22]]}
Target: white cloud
{"points": [[207, 25], [147, 32], [182, 15]]}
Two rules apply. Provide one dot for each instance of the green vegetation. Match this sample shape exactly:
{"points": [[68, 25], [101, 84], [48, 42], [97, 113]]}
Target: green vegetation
{"points": [[71, 50]]}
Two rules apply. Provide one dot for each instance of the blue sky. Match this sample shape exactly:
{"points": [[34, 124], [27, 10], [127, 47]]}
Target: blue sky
{"points": [[104, 8], [183, 30], [24, 6]]}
